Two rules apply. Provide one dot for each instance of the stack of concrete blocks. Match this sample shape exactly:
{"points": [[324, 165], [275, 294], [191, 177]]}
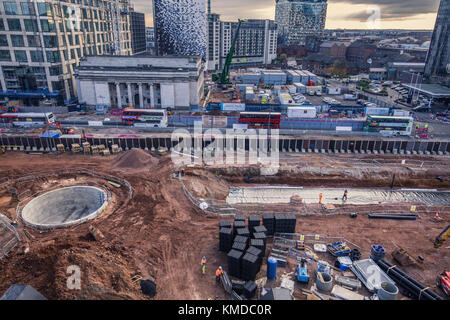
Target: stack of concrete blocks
{"points": [[116, 149], [60, 147], [86, 147], [95, 151], [76, 148], [101, 147]]}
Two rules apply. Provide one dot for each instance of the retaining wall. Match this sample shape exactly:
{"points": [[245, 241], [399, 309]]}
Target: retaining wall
{"points": [[346, 145]]}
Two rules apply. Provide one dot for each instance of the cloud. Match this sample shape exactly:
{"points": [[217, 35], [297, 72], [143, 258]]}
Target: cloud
{"points": [[391, 10]]}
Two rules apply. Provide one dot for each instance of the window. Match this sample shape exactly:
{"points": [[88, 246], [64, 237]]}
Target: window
{"points": [[56, 70], [17, 41], [3, 41], [53, 56], [27, 8], [30, 25], [33, 41], [2, 25], [10, 8], [5, 55], [14, 25], [21, 55], [51, 41], [44, 9], [36, 56], [48, 26]]}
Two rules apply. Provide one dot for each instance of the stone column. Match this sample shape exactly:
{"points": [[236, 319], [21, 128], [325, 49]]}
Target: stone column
{"points": [[152, 96], [130, 98], [119, 98], [141, 96]]}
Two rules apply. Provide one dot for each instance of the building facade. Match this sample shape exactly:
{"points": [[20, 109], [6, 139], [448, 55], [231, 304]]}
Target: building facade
{"points": [[180, 27], [138, 36], [298, 19], [42, 42], [214, 41], [256, 43], [150, 40], [141, 81], [438, 59]]}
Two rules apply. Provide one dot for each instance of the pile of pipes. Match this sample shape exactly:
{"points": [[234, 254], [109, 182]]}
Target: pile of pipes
{"points": [[377, 253], [415, 288]]}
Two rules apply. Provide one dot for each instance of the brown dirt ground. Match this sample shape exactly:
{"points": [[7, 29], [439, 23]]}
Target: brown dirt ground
{"points": [[159, 235]]}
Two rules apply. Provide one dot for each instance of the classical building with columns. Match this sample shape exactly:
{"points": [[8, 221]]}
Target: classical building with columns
{"points": [[141, 81]]}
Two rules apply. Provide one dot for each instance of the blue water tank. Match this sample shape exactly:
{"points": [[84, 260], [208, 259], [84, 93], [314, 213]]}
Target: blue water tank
{"points": [[271, 268]]}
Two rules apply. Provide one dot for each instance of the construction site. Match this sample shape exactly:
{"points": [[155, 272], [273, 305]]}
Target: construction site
{"points": [[133, 217]]}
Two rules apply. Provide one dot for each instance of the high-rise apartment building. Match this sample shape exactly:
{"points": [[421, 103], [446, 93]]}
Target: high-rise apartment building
{"points": [[42, 42], [180, 27], [138, 36], [438, 60], [297, 19], [256, 43]]}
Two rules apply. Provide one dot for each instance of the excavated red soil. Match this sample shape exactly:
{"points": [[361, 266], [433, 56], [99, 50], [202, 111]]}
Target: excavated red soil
{"points": [[159, 235], [136, 159]]}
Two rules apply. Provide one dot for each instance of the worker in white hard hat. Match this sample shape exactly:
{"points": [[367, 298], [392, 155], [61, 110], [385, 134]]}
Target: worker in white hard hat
{"points": [[219, 272]]}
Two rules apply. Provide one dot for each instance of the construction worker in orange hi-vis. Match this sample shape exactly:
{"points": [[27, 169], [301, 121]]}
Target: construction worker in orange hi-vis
{"points": [[219, 272], [320, 197], [203, 264], [344, 197]]}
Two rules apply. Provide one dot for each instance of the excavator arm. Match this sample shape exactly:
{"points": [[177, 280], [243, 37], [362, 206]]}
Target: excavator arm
{"points": [[440, 239], [61, 129]]}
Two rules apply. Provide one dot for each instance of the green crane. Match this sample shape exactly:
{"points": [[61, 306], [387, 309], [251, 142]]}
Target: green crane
{"points": [[224, 76]]}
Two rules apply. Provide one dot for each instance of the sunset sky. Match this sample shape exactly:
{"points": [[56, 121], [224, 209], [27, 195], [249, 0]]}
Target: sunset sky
{"points": [[348, 14]]}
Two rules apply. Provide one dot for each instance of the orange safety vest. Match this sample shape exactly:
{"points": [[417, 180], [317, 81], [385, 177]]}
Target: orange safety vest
{"points": [[320, 196], [203, 262], [219, 272]]}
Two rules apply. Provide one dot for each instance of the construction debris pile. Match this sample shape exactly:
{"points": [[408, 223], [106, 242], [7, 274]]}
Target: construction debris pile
{"points": [[350, 277]]}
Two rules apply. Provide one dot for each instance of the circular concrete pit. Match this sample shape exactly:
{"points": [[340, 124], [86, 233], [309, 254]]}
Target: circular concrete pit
{"points": [[64, 207]]}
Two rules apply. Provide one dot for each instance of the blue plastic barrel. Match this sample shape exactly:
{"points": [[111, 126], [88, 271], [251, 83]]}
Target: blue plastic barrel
{"points": [[271, 268]]}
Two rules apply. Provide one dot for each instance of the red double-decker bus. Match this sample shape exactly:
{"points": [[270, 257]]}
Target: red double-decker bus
{"points": [[260, 120]]}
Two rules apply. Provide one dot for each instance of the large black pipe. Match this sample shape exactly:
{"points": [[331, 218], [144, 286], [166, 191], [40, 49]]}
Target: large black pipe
{"points": [[408, 285], [413, 286], [414, 281], [393, 216]]}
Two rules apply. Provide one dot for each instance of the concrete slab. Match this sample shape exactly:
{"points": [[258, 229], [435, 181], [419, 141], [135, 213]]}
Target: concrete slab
{"points": [[64, 207]]}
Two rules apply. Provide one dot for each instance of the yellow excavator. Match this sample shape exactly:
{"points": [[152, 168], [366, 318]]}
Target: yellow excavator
{"points": [[444, 235]]}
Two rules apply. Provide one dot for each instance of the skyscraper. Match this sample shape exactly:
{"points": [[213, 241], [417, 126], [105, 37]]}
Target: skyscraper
{"points": [[297, 19], [180, 27], [138, 40], [438, 60]]}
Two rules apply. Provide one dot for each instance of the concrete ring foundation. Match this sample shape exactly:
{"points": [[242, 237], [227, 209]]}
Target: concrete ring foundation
{"points": [[64, 207]]}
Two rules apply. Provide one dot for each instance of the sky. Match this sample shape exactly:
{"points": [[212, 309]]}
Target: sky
{"points": [[342, 14]]}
